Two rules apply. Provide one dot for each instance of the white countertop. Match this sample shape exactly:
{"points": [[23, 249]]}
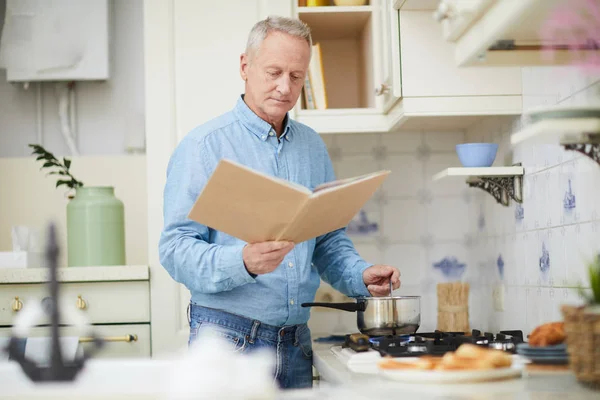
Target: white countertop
{"points": [[149, 379], [533, 385], [76, 274]]}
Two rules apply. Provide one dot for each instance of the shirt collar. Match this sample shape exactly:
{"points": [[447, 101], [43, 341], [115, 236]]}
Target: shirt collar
{"points": [[258, 126]]}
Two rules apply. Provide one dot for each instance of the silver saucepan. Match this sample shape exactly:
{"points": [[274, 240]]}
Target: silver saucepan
{"points": [[381, 316]]}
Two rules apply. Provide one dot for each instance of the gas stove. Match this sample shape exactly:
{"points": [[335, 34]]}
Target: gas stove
{"points": [[438, 343], [359, 349]]}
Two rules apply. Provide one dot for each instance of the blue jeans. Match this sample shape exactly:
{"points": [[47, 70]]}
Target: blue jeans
{"points": [[292, 344]]}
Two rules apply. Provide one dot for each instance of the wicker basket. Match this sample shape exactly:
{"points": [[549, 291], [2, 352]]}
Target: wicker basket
{"points": [[582, 327]]}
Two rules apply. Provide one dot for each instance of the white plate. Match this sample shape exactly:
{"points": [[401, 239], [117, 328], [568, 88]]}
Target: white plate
{"points": [[413, 376]]}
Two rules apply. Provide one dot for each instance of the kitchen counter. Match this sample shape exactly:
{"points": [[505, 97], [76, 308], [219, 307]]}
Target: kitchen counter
{"points": [[532, 385], [150, 379]]}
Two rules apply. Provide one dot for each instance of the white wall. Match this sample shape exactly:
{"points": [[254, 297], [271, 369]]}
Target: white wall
{"points": [[110, 115], [28, 197]]}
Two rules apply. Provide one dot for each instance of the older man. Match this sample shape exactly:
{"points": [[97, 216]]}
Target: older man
{"points": [[251, 293]]}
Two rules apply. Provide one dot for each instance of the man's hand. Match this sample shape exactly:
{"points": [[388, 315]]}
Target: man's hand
{"points": [[262, 258], [377, 279]]}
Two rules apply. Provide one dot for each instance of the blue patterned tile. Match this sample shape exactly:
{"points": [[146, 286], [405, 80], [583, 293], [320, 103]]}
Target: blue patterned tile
{"points": [[450, 267], [519, 212], [361, 225], [500, 266], [544, 261], [481, 220], [569, 200]]}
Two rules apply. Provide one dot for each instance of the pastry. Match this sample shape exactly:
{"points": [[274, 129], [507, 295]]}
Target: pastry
{"points": [[466, 357], [548, 334]]}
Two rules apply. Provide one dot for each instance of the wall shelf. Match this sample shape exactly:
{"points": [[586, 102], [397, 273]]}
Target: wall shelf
{"points": [[576, 134], [503, 183]]}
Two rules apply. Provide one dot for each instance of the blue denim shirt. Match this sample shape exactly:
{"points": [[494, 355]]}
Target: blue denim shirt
{"points": [[209, 263]]}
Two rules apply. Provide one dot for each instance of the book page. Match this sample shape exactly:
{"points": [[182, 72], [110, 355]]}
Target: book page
{"points": [[282, 181], [346, 181]]}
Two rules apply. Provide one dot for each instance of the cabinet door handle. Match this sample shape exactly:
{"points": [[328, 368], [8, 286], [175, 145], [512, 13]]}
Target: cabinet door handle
{"points": [[81, 304], [382, 89], [125, 338], [17, 304]]}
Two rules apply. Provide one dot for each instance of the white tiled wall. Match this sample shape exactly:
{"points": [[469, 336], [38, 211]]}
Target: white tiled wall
{"points": [[521, 235], [420, 222]]}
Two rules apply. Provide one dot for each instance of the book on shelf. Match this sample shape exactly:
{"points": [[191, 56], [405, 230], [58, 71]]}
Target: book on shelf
{"points": [[317, 78], [309, 101], [255, 207]]}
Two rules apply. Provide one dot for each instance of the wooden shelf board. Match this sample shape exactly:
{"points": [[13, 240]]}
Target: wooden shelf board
{"points": [[483, 171], [333, 22], [558, 131]]}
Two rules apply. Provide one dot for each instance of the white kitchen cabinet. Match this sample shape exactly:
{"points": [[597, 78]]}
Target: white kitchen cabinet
{"points": [[192, 51], [115, 300], [391, 69], [510, 33]]}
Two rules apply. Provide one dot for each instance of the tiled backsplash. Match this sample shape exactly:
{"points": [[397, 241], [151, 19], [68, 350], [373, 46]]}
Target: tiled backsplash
{"points": [[407, 224], [537, 250], [533, 253]]}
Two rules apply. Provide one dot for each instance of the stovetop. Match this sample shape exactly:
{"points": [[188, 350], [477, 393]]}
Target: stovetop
{"points": [[432, 343]]}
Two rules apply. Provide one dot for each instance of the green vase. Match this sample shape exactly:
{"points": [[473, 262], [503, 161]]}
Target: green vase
{"points": [[95, 228]]}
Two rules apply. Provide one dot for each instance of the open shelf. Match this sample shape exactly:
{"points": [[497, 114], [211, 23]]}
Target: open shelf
{"points": [[576, 134], [336, 22], [345, 35], [480, 172], [559, 131], [503, 183]]}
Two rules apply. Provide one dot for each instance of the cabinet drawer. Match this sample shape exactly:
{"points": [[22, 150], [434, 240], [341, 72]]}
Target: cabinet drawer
{"points": [[122, 341], [102, 302]]}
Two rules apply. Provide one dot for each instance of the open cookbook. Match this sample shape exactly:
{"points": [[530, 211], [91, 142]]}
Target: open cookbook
{"points": [[256, 207]]}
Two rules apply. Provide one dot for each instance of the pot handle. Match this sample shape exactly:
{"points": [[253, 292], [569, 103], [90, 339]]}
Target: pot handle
{"points": [[339, 306]]}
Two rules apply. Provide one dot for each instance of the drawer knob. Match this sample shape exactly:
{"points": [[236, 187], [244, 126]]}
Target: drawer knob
{"points": [[81, 304], [17, 304]]}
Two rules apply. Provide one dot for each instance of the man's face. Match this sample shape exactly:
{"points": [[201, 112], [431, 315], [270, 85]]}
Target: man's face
{"points": [[275, 74]]}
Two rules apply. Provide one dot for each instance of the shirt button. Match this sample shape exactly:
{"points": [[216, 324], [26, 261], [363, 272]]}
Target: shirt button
{"points": [[292, 301], [263, 137], [291, 264], [271, 133]]}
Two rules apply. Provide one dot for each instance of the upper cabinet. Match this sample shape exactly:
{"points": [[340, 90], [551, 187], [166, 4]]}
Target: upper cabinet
{"points": [[386, 66], [519, 33]]}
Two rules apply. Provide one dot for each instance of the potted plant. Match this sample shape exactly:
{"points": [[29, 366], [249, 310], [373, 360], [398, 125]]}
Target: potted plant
{"points": [[582, 328], [95, 217]]}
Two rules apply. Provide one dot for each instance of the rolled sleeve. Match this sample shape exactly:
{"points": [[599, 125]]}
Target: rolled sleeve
{"points": [[233, 261], [358, 286]]}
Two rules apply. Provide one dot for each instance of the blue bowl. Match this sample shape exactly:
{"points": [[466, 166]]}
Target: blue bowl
{"points": [[477, 154]]}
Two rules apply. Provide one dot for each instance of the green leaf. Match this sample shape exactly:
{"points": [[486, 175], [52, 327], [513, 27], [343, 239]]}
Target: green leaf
{"points": [[67, 163], [594, 272], [57, 173], [62, 182], [50, 164]]}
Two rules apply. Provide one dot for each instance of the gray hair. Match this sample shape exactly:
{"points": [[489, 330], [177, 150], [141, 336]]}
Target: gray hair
{"points": [[291, 26]]}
